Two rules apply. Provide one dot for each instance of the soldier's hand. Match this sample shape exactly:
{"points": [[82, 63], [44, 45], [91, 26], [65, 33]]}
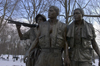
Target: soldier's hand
{"points": [[26, 56], [18, 26], [25, 59]]}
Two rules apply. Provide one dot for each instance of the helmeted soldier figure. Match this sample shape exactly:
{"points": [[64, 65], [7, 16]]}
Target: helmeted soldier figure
{"points": [[31, 34]]}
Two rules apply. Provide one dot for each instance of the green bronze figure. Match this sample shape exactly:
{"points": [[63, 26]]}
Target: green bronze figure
{"points": [[31, 34], [52, 41], [81, 39]]}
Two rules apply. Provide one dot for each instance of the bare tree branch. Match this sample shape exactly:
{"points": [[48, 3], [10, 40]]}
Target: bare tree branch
{"points": [[88, 15], [86, 4]]}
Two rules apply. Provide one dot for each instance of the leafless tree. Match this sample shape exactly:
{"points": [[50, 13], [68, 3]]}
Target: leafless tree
{"points": [[6, 10], [70, 5], [30, 8]]}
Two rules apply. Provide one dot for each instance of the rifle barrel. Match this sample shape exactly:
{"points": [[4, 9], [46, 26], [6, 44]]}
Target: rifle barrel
{"points": [[20, 23]]}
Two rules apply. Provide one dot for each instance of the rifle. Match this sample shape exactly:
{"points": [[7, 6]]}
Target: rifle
{"points": [[20, 23]]}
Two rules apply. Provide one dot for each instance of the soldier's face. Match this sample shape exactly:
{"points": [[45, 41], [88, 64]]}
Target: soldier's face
{"points": [[39, 20], [77, 15], [52, 13]]}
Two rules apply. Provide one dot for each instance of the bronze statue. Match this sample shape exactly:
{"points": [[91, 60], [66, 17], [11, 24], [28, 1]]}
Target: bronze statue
{"points": [[32, 34], [52, 41], [81, 39]]}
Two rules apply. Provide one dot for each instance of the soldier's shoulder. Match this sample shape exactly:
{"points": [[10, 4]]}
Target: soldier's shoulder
{"points": [[70, 25], [44, 23], [89, 24], [62, 24]]}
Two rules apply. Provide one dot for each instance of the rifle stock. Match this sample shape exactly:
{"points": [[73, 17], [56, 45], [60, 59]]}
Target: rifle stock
{"points": [[20, 23]]}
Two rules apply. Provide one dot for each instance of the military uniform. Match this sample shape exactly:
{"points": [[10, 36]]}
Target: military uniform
{"points": [[51, 45], [79, 40]]}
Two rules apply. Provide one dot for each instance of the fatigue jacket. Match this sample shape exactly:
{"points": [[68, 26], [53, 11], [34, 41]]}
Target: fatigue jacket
{"points": [[83, 53], [54, 41], [56, 37]]}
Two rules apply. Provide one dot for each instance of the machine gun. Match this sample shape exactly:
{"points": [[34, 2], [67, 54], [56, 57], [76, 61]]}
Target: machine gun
{"points": [[20, 23]]}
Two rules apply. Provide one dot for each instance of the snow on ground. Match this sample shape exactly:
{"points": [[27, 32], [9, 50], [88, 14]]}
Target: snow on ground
{"points": [[96, 62], [19, 62], [11, 62]]}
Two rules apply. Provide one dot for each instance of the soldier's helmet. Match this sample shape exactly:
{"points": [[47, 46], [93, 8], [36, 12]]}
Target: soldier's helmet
{"points": [[40, 15]]}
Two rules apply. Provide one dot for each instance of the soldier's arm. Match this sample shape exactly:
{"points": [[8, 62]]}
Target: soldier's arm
{"points": [[94, 43], [66, 54], [28, 52], [35, 42], [19, 32], [95, 47], [23, 36], [33, 45]]}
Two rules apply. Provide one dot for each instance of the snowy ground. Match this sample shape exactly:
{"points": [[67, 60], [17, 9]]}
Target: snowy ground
{"points": [[96, 62], [19, 62], [11, 62]]}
